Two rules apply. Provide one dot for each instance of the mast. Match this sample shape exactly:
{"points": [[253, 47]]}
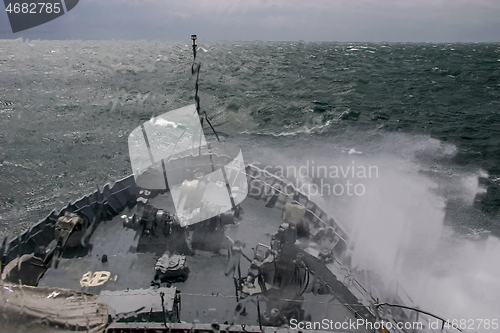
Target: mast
{"points": [[195, 69]]}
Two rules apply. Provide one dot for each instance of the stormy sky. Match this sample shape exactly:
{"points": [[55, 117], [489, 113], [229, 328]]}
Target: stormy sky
{"points": [[268, 20]]}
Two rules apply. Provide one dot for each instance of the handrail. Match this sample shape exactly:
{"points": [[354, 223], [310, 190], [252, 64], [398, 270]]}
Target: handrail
{"points": [[278, 190], [421, 311]]}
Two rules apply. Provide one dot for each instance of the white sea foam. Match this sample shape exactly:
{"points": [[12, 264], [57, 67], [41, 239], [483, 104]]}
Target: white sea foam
{"points": [[400, 229]]}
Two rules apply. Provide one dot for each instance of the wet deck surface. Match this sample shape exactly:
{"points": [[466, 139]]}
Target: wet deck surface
{"points": [[208, 295]]}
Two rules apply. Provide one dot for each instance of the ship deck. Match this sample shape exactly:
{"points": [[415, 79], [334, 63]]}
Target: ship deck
{"points": [[208, 295]]}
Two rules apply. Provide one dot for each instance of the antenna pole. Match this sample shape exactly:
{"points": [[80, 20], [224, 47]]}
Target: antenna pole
{"points": [[197, 99], [197, 71]]}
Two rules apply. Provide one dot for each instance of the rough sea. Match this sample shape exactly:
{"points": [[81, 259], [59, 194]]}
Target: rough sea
{"points": [[423, 118]]}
